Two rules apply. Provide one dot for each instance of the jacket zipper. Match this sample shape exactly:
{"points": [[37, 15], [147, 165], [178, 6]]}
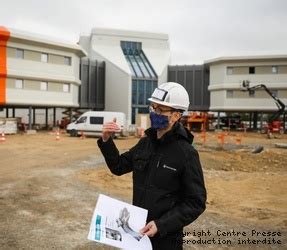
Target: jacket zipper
{"points": [[157, 165]]}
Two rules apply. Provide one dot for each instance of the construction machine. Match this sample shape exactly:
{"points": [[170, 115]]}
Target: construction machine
{"points": [[195, 121], [273, 124], [75, 113]]}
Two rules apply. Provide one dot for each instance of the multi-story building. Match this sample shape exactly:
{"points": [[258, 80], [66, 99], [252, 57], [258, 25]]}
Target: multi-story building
{"points": [[38, 72], [135, 63], [228, 73]]}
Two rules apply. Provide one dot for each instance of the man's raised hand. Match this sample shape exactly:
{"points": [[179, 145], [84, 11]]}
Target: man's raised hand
{"points": [[109, 129]]}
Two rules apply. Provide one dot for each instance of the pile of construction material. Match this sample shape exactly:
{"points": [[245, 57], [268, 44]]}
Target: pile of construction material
{"points": [[8, 125]]}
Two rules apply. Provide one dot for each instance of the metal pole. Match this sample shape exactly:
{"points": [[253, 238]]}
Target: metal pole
{"points": [[30, 118], [255, 119], [261, 121], [54, 117], [46, 117], [34, 116], [218, 120]]}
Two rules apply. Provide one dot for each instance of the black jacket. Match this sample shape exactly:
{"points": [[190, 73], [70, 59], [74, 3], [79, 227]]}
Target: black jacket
{"points": [[167, 177]]}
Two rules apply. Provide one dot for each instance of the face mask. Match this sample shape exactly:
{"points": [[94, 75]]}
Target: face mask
{"points": [[158, 121]]}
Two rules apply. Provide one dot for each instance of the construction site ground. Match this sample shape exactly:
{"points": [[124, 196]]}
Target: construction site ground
{"points": [[49, 189]]}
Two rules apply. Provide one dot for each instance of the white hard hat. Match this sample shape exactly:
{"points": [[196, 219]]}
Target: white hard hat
{"points": [[171, 94]]}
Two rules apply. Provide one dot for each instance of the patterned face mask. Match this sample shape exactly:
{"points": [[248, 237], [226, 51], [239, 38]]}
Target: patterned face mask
{"points": [[158, 121]]}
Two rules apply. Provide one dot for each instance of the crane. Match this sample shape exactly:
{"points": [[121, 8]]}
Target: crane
{"points": [[273, 123]]}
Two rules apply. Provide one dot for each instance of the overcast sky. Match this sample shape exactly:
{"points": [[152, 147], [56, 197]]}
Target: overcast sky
{"points": [[198, 29]]}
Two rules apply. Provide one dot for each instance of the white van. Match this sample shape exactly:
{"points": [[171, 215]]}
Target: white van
{"points": [[91, 123]]}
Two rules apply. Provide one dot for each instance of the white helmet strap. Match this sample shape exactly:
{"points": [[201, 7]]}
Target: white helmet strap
{"points": [[159, 94]]}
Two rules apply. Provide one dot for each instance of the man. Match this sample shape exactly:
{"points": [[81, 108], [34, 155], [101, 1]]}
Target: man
{"points": [[167, 174]]}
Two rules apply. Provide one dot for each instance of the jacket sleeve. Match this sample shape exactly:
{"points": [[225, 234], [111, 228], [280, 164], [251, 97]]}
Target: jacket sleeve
{"points": [[192, 202], [118, 164]]}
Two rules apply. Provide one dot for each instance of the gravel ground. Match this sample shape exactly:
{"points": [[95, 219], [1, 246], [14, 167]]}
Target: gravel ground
{"points": [[48, 191]]}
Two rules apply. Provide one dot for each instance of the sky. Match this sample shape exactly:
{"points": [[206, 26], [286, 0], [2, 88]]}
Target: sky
{"points": [[198, 30]]}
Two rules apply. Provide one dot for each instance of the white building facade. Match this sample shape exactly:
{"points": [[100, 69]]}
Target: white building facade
{"points": [[40, 72], [228, 73], [136, 62]]}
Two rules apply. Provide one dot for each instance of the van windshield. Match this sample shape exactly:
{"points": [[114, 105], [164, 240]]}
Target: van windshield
{"points": [[82, 119]]}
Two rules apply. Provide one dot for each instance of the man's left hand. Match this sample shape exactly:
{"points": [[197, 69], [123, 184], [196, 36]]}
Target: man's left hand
{"points": [[150, 229]]}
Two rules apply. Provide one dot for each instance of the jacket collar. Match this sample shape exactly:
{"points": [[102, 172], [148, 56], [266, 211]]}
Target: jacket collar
{"points": [[177, 132]]}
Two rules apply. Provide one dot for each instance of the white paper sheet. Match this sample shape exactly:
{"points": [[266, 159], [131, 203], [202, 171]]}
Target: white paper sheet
{"points": [[117, 223]]}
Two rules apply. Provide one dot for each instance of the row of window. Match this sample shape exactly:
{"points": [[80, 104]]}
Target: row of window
{"points": [[44, 86], [144, 78], [230, 93], [137, 61], [43, 57], [253, 70], [95, 120], [141, 91]]}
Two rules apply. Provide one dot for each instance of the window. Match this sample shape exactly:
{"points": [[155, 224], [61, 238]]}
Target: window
{"points": [[133, 115], [274, 93], [20, 53], [229, 70], [137, 61], [148, 91], [142, 66], [97, 120], [82, 119], [144, 78], [229, 93], [148, 65], [134, 93], [251, 70], [66, 87], [67, 60], [135, 66], [141, 89], [274, 69], [44, 86], [19, 84], [251, 93], [143, 110], [44, 57]]}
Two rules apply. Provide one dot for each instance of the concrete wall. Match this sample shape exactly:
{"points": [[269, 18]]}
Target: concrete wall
{"points": [[118, 90], [118, 87]]}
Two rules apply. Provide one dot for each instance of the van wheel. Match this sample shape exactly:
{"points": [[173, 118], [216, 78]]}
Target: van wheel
{"points": [[74, 133]]}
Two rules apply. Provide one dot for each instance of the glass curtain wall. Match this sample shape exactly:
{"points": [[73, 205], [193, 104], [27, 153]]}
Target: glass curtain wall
{"points": [[144, 78]]}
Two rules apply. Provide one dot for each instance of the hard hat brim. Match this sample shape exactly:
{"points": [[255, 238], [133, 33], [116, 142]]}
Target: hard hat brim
{"points": [[171, 105]]}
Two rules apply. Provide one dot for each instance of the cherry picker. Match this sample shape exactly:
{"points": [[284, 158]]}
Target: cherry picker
{"points": [[273, 124]]}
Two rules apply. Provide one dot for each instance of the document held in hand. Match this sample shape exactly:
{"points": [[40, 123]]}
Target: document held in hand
{"points": [[117, 223]]}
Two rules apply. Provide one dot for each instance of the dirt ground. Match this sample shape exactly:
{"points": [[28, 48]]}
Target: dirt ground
{"points": [[49, 188]]}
